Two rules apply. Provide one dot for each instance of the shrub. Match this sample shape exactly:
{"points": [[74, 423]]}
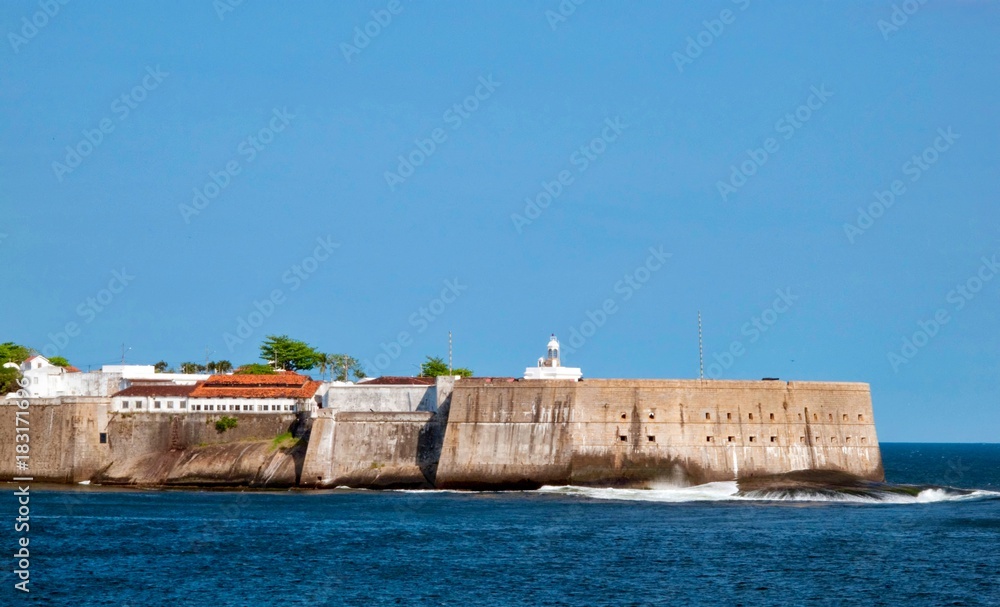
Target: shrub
{"points": [[225, 423]]}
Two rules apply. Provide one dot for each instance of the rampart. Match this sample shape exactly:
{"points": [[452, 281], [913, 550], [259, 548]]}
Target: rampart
{"points": [[503, 434]]}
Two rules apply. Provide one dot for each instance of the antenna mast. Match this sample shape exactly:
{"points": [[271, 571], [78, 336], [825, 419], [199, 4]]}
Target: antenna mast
{"points": [[449, 353], [701, 351]]}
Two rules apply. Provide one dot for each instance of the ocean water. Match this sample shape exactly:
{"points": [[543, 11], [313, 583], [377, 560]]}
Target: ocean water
{"points": [[935, 544]]}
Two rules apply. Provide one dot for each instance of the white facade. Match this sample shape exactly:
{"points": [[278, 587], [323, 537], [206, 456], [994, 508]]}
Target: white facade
{"points": [[550, 367]]}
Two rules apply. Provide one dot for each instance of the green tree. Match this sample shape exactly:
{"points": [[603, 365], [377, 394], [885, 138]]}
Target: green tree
{"points": [[210, 367], [289, 354], [343, 366], [435, 366], [189, 367], [59, 361], [8, 380], [160, 367], [13, 353], [223, 366], [255, 369]]}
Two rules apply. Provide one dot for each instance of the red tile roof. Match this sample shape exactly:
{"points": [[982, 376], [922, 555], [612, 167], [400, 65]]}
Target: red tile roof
{"points": [[72, 369], [157, 390], [399, 381], [281, 385]]}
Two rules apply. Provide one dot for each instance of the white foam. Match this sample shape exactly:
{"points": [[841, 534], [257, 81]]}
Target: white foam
{"points": [[729, 492]]}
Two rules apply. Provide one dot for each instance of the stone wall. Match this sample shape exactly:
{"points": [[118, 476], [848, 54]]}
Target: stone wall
{"points": [[644, 432]]}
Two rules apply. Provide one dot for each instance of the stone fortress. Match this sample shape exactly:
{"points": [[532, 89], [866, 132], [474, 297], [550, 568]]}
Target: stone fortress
{"points": [[549, 427]]}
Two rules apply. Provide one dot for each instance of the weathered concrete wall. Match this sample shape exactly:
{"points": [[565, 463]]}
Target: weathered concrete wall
{"points": [[64, 439], [148, 448], [373, 449], [640, 432], [380, 398]]}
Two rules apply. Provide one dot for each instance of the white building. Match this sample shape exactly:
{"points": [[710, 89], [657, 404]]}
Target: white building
{"points": [[46, 380], [550, 366]]}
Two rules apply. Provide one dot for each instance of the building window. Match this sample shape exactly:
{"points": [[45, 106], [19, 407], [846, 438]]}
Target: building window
{"points": [[864, 440], [845, 417], [138, 404], [708, 439], [623, 438], [124, 404], [184, 404], [170, 404], [861, 418], [848, 439], [772, 417], [156, 404], [802, 439], [833, 439], [651, 439], [104, 438]]}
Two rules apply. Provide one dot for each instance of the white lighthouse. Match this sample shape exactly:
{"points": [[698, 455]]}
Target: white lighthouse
{"points": [[550, 367]]}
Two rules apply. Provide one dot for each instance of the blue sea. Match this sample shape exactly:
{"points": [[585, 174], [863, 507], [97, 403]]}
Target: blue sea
{"points": [[935, 544]]}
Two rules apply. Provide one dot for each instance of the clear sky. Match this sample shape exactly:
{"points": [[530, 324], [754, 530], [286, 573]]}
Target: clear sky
{"points": [[192, 176]]}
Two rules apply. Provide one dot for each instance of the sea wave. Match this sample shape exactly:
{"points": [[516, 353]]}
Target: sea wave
{"points": [[729, 492]]}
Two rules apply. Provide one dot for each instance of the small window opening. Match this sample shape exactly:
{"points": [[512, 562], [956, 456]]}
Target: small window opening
{"points": [[774, 439], [104, 438], [751, 416], [833, 439], [730, 438], [753, 438], [624, 416], [708, 439], [845, 417], [831, 417], [708, 416], [861, 418], [800, 417], [848, 439], [651, 439], [864, 440], [772, 416], [802, 439], [652, 416], [815, 417], [623, 438], [729, 416]]}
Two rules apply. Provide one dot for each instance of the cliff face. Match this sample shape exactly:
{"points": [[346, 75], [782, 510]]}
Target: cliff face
{"points": [[641, 432]]}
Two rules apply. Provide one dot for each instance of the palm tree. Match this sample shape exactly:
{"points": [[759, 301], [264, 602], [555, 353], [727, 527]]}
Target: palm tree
{"points": [[223, 366]]}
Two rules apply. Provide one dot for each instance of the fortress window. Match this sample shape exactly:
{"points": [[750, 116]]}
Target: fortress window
{"points": [[708, 416], [833, 439], [753, 438], [845, 417], [864, 440], [815, 417], [817, 439], [729, 416], [104, 438], [861, 418], [802, 439], [831, 417], [848, 439], [772, 417], [708, 439], [774, 439], [730, 439], [623, 438], [800, 417], [652, 415], [624, 416], [751, 416], [651, 439]]}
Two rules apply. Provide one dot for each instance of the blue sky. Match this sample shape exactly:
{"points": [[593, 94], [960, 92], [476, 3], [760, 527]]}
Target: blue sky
{"points": [[369, 192]]}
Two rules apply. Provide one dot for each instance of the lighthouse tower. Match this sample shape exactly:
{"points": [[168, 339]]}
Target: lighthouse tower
{"points": [[550, 366]]}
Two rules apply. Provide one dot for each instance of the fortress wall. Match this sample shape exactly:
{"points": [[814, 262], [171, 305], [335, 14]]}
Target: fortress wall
{"points": [[64, 436], [373, 449], [637, 432]]}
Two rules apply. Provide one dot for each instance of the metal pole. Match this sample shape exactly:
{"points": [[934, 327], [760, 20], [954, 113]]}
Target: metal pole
{"points": [[449, 353], [701, 350]]}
